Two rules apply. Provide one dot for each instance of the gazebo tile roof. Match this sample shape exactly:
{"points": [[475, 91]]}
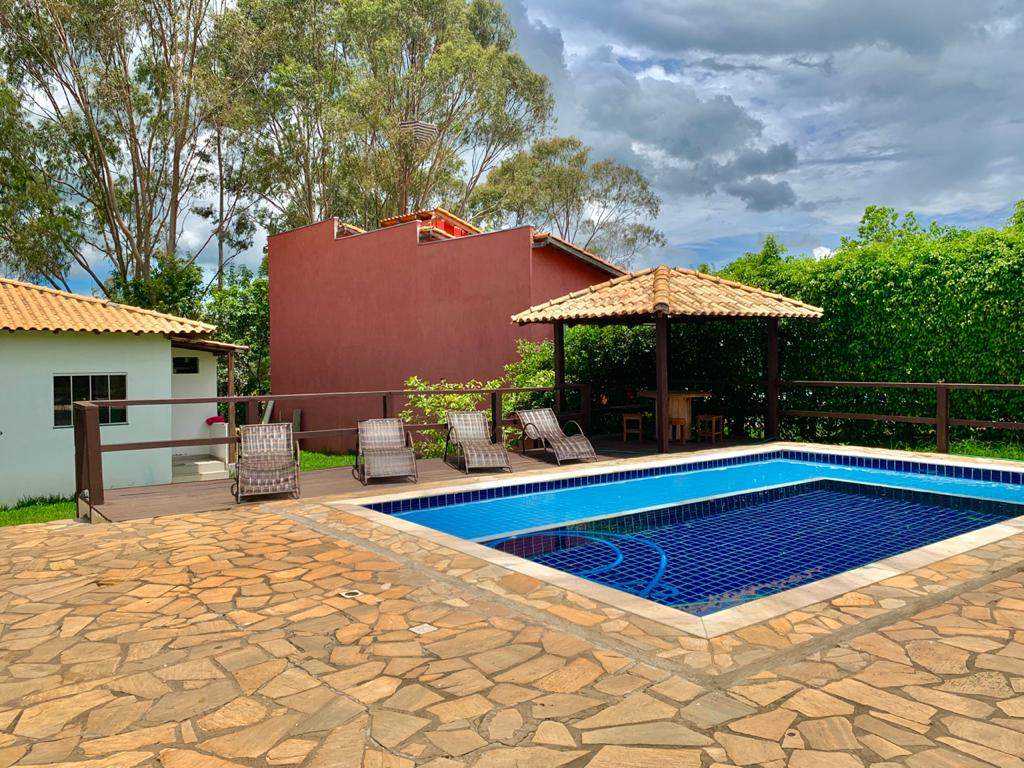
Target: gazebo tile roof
{"points": [[674, 291]]}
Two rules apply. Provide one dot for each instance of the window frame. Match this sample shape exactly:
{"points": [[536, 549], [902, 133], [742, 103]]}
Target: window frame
{"points": [[106, 412], [185, 357]]}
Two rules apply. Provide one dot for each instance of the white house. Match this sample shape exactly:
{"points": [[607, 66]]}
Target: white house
{"points": [[58, 347]]}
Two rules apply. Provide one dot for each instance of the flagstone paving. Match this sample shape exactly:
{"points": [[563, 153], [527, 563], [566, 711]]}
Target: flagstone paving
{"points": [[295, 634]]}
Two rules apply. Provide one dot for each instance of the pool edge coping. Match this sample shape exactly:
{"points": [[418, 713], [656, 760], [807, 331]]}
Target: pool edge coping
{"points": [[730, 619]]}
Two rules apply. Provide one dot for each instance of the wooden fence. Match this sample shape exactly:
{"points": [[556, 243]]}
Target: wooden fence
{"points": [[941, 421], [89, 448]]}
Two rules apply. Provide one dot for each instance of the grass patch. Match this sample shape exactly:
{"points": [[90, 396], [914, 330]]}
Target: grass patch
{"points": [[977, 448], [39, 510], [313, 460], [1011, 451]]}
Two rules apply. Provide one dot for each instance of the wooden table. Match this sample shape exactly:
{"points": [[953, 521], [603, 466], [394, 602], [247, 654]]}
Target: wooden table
{"points": [[680, 409]]}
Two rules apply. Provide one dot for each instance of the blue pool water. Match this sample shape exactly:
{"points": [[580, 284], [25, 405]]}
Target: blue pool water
{"points": [[708, 535], [486, 519], [706, 556]]}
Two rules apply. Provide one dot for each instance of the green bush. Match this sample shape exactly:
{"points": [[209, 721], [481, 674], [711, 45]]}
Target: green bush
{"points": [[431, 409]]}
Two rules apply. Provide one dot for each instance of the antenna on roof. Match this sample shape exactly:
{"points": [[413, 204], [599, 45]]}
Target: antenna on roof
{"points": [[422, 132]]}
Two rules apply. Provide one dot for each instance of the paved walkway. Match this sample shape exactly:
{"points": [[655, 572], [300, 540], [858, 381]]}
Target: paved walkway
{"points": [[286, 636]]}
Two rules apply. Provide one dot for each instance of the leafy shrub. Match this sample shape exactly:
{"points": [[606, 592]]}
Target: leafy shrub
{"points": [[431, 409]]}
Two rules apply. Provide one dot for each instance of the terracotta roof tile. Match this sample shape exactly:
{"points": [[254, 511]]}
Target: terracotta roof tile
{"points": [[427, 214], [676, 291], [27, 307]]}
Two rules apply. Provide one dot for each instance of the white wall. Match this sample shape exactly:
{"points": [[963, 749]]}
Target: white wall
{"points": [[37, 459], [189, 421]]}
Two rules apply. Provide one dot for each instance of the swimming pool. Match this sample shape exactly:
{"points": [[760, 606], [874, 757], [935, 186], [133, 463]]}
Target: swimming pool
{"points": [[703, 536]]}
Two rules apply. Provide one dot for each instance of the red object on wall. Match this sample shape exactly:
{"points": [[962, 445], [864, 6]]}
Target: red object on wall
{"points": [[426, 295]]}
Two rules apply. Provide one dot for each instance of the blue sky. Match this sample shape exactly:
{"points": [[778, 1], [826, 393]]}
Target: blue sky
{"points": [[790, 116]]}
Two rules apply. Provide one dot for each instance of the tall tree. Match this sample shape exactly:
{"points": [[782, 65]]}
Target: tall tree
{"points": [[603, 206], [38, 228], [113, 84], [367, 108]]}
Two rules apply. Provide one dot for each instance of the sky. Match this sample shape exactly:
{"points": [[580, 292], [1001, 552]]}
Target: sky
{"points": [[784, 117], [791, 116]]}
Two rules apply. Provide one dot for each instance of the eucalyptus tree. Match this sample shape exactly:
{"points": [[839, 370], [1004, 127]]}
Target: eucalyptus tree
{"points": [[367, 108], [39, 229], [601, 205], [113, 85]]}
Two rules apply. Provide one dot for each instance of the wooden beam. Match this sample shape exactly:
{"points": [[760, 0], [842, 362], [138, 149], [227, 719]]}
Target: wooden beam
{"points": [[771, 419], [661, 371], [559, 367]]}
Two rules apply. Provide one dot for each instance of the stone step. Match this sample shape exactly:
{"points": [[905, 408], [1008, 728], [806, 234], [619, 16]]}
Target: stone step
{"points": [[185, 469]]}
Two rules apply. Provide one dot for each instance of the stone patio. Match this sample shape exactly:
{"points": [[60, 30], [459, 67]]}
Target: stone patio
{"points": [[301, 634]]}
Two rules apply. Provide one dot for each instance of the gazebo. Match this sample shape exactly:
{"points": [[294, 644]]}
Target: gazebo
{"points": [[662, 295]]}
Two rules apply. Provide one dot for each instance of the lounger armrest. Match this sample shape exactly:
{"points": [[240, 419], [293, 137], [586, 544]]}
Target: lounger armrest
{"points": [[531, 431], [579, 429], [408, 439]]}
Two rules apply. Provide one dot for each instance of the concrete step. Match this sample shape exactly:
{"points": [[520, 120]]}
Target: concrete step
{"points": [[187, 469]]}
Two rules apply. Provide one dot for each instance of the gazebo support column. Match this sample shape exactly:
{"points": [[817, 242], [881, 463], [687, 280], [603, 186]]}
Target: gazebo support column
{"points": [[559, 367], [771, 418], [661, 368]]}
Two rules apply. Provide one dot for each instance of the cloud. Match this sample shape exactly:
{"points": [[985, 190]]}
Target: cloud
{"points": [[791, 116], [762, 195], [783, 26], [633, 110]]}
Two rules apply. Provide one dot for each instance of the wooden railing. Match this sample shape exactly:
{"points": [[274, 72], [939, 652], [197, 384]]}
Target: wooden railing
{"points": [[89, 448], [941, 421]]}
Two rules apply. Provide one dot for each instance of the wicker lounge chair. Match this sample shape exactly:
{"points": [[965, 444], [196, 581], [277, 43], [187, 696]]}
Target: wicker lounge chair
{"points": [[469, 432], [384, 450], [542, 424], [268, 461]]}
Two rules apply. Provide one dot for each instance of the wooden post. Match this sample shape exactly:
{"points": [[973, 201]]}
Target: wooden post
{"points": [[496, 433], [942, 418], [232, 415], [385, 405], [585, 405], [559, 367], [81, 459], [90, 416], [771, 418], [252, 412], [661, 368]]}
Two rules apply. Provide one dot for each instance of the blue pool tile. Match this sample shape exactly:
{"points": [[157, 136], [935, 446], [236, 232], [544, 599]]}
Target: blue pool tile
{"points": [[707, 556]]}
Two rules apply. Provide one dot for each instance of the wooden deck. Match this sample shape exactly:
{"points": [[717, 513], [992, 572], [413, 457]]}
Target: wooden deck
{"points": [[211, 495]]}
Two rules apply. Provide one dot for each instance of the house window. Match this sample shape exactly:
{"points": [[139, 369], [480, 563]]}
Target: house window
{"points": [[186, 364], [67, 388]]}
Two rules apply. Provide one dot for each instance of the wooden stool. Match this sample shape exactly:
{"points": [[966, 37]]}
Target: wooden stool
{"points": [[632, 424], [679, 430], [710, 426]]}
